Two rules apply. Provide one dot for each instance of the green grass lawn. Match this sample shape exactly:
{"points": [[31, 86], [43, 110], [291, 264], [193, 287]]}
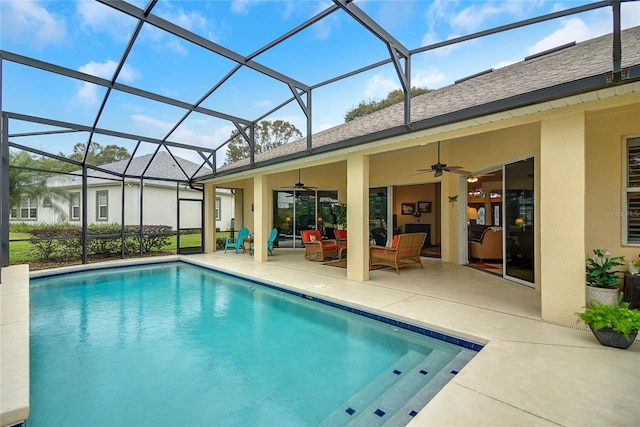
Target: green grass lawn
{"points": [[20, 252]]}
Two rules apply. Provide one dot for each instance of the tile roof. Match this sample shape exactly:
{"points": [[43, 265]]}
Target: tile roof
{"points": [[163, 168], [582, 60]]}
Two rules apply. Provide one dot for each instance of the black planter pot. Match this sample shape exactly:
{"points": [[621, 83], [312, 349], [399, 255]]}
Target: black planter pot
{"points": [[611, 338]]}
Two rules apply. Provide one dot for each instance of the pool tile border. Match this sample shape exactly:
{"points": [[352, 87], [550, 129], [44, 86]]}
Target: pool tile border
{"points": [[470, 345]]}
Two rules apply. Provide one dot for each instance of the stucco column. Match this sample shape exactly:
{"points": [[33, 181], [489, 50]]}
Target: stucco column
{"points": [[358, 218], [209, 232], [562, 217], [451, 222], [260, 218]]}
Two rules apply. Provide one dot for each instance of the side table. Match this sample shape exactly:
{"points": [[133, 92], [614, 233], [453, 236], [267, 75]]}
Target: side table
{"points": [[631, 290]]}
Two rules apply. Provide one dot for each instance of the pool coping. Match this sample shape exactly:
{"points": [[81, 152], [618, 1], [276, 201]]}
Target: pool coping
{"points": [[14, 330]]}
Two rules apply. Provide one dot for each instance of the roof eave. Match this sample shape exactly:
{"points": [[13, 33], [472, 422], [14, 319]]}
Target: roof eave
{"points": [[563, 90]]}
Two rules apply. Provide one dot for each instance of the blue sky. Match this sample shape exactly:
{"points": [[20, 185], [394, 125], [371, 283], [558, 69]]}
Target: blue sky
{"points": [[90, 37]]}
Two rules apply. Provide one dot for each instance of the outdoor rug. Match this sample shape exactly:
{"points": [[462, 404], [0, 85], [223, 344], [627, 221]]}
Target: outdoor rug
{"points": [[489, 268]]}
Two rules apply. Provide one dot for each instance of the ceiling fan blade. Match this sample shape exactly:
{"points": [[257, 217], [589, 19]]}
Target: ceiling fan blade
{"points": [[453, 167], [420, 172], [425, 170], [437, 174], [459, 171]]}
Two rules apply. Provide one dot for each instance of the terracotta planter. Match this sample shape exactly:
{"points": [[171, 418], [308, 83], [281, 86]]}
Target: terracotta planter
{"points": [[604, 295], [611, 338]]}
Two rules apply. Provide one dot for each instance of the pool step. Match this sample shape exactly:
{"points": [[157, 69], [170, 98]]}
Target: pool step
{"points": [[390, 391], [405, 414], [396, 396], [373, 390]]}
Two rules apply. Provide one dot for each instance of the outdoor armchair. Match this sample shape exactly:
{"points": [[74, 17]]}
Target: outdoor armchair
{"points": [[270, 241], [317, 249], [236, 243], [405, 252]]}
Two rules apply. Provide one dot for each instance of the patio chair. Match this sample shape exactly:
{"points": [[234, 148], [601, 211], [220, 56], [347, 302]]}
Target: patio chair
{"points": [[317, 249], [341, 239], [405, 252], [270, 241], [236, 243]]}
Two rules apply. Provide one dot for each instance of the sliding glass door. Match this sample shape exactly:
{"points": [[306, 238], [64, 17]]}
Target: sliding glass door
{"points": [[297, 210], [518, 225]]}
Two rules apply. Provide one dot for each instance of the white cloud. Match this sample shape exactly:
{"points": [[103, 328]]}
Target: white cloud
{"points": [[572, 29], [431, 79], [88, 92], [147, 122], [322, 29], [502, 64], [190, 21], [630, 15], [473, 17], [267, 103], [240, 7], [102, 19], [378, 87], [29, 22]]}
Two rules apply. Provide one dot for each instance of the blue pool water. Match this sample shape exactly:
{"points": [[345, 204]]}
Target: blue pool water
{"points": [[176, 344]]}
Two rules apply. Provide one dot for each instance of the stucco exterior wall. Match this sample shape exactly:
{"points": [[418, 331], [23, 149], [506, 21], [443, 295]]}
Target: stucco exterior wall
{"points": [[606, 134]]}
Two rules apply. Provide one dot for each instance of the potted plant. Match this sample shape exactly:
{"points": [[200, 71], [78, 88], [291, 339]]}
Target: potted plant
{"points": [[614, 325], [340, 213], [634, 266], [602, 277]]}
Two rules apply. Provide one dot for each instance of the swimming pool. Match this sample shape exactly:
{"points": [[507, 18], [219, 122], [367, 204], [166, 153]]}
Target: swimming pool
{"points": [[177, 344]]}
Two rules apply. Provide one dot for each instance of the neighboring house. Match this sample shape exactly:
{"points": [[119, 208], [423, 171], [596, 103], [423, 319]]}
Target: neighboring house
{"points": [[559, 132], [105, 196]]}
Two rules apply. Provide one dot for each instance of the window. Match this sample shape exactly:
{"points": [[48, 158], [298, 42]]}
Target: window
{"points": [[46, 202], [28, 207], [75, 206], [632, 186], [218, 204], [102, 209]]}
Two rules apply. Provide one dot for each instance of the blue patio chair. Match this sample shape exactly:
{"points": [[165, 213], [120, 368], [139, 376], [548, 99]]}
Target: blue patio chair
{"points": [[236, 243], [270, 241]]}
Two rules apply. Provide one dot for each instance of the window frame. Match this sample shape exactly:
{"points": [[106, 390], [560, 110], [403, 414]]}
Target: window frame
{"points": [[31, 207], [631, 214], [99, 206], [74, 198], [218, 208]]}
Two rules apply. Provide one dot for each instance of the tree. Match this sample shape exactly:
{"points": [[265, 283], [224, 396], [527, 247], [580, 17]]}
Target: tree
{"points": [[99, 155], [26, 181], [268, 135], [368, 107]]}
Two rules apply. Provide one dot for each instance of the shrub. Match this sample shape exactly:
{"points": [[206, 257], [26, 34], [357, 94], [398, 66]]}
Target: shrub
{"points": [[618, 317], [61, 243]]}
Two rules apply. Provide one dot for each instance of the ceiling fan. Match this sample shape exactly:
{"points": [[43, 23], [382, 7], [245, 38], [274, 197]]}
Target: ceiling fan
{"points": [[300, 186], [439, 168]]}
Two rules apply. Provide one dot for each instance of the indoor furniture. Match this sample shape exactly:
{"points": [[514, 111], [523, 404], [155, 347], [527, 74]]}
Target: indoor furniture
{"points": [[405, 252], [631, 290], [420, 228], [489, 246]]}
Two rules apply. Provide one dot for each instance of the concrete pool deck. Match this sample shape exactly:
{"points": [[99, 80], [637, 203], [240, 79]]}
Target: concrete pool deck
{"points": [[529, 373]]}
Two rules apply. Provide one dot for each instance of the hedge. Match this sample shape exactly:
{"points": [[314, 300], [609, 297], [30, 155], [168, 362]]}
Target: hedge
{"points": [[63, 243]]}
